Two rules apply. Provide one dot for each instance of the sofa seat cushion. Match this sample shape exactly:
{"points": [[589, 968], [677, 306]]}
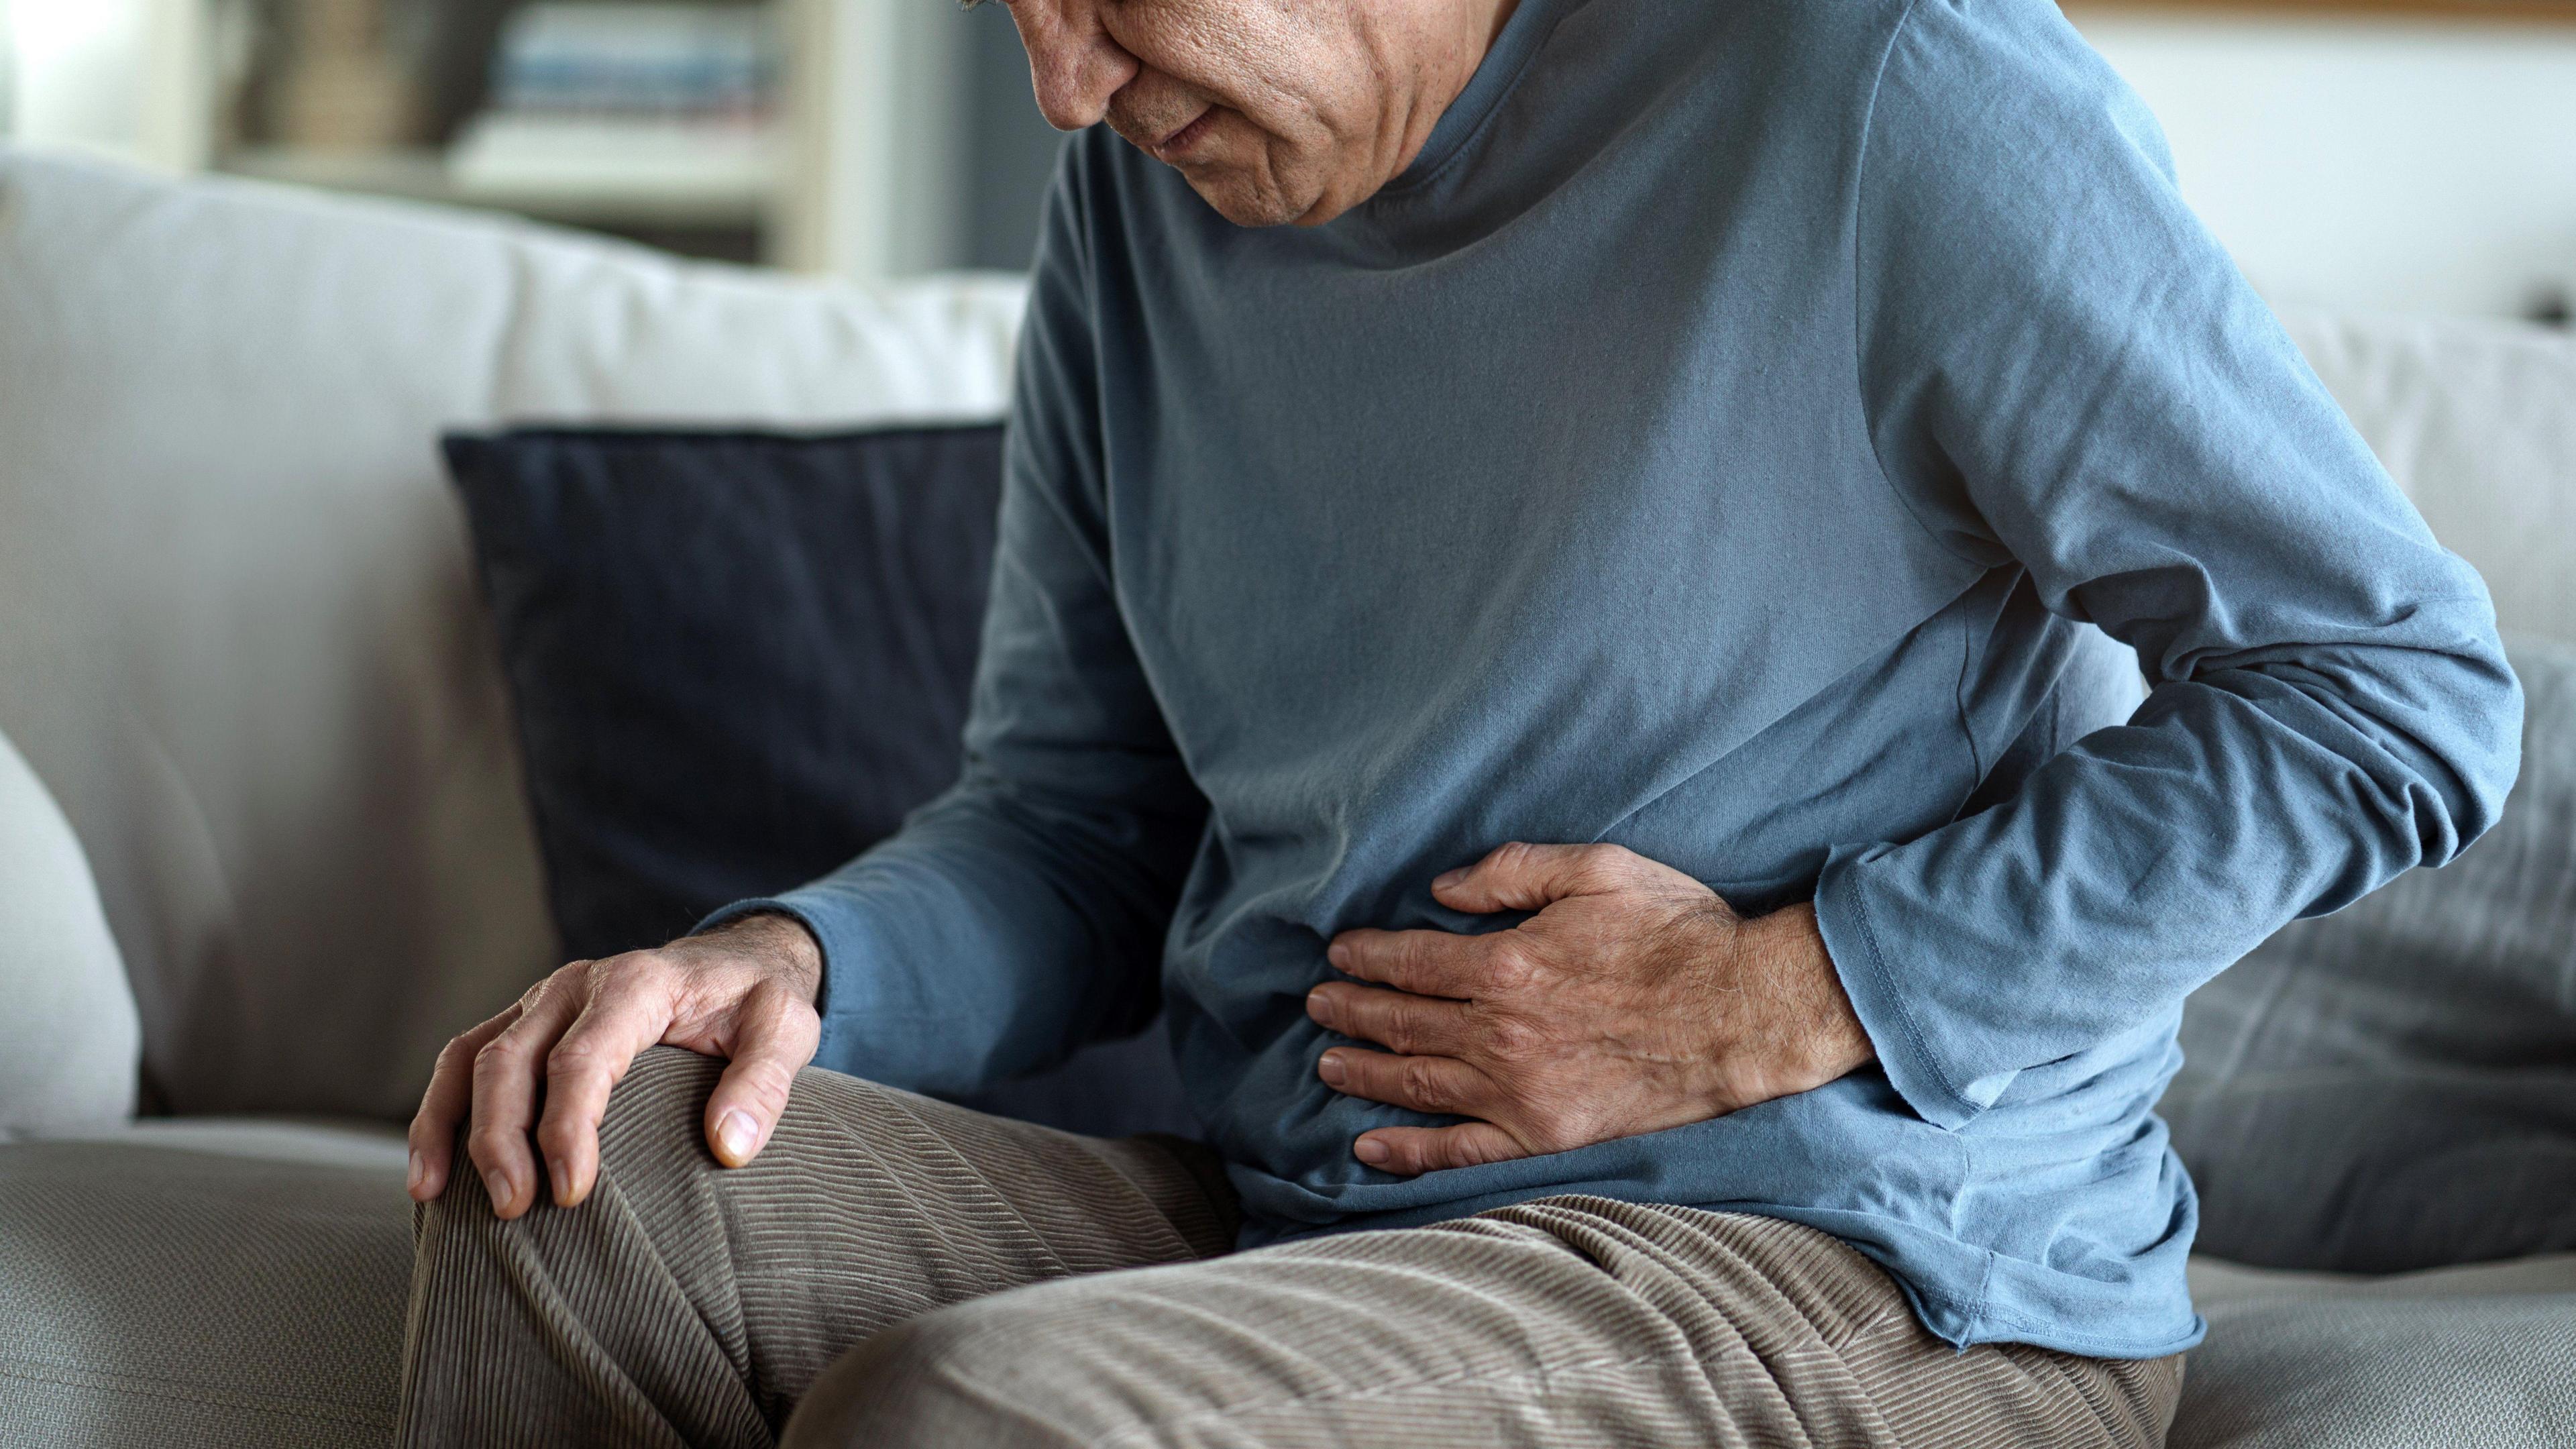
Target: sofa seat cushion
{"points": [[203, 1282], [2467, 1358]]}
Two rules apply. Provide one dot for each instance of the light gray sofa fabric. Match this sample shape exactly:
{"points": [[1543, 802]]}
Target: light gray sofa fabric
{"points": [[2459, 1358], [202, 1283], [69, 1039], [2394, 1087]]}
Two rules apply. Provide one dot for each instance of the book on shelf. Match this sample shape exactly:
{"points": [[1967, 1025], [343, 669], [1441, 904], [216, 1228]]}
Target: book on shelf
{"points": [[672, 100]]}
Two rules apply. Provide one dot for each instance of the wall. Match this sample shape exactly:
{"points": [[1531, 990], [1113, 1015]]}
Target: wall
{"points": [[2378, 163], [113, 76], [1014, 149]]}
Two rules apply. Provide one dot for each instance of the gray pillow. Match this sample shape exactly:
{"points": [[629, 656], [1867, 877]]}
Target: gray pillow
{"points": [[2464, 1358], [2394, 1087]]}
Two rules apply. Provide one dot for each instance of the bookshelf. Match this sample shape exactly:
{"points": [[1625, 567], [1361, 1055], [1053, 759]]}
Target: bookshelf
{"points": [[846, 154]]}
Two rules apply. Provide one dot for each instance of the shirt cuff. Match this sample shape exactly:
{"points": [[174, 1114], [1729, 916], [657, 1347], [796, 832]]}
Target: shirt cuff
{"points": [[1887, 1012], [835, 994]]}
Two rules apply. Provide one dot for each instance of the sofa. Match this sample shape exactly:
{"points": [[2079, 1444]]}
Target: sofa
{"points": [[264, 842]]}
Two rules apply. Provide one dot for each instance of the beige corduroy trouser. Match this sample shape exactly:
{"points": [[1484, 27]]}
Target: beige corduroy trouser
{"points": [[894, 1271]]}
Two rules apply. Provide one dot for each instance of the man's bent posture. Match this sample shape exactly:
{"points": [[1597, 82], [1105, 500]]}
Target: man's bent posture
{"points": [[1751, 448]]}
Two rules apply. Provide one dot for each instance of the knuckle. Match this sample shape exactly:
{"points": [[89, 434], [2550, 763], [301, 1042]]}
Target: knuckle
{"points": [[1409, 952], [557, 1136], [775, 1077], [496, 1054], [576, 1061], [619, 971], [1423, 1085], [576, 1056], [487, 1144], [1597, 867], [642, 973], [539, 990], [1511, 1036], [1509, 964]]}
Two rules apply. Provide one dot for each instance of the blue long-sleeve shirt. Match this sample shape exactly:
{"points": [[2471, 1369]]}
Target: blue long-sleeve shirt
{"points": [[1774, 436]]}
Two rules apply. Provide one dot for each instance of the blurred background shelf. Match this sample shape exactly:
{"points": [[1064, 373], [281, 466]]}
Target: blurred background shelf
{"points": [[600, 190], [839, 136]]}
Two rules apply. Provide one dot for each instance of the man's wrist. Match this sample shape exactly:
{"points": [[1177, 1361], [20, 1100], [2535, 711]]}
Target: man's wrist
{"points": [[1787, 950], [780, 937]]}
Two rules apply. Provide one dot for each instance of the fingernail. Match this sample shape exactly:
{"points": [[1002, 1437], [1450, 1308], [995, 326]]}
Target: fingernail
{"points": [[419, 1170], [1369, 1150], [561, 1176], [1339, 954], [497, 1183], [1447, 878], [1319, 1003], [738, 1135], [1330, 1069]]}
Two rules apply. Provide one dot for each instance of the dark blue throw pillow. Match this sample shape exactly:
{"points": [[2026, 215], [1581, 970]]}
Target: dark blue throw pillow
{"points": [[738, 660]]}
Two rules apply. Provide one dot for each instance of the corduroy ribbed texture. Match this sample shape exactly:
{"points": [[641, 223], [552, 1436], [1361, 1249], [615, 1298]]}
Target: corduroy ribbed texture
{"points": [[896, 1271]]}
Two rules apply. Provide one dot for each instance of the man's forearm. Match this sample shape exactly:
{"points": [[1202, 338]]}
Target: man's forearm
{"points": [[987, 939]]}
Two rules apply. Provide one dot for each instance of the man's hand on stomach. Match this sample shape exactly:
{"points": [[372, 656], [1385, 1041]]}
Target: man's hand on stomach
{"points": [[1634, 1000], [744, 990]]}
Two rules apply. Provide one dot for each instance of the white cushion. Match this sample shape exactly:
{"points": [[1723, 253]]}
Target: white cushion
{"points": [[69, 1039], [2476, 420], [242, 640]]}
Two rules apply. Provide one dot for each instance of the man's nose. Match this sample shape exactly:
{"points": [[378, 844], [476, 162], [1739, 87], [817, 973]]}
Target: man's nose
{"points": [[1074, 65]]}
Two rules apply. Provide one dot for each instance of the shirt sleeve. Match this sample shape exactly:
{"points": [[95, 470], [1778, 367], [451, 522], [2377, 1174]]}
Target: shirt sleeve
{"points": [[1023, 912], [2066, 375]]}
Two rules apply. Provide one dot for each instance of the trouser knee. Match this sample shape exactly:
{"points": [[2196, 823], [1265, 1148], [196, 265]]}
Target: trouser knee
{"points": [[654, 1126], [650, 1139]]}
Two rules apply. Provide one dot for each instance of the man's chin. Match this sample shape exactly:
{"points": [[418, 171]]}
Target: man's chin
{"points": [[1246, 203]]}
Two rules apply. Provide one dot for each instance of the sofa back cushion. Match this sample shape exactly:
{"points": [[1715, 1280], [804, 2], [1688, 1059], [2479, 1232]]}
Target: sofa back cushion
{"points": [[737, 659], [2476, 420], [242, 641], [68, 1034]]}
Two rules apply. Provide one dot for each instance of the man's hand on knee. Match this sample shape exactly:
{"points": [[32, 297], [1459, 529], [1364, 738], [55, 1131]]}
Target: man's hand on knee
{"points": [[744, 991]]}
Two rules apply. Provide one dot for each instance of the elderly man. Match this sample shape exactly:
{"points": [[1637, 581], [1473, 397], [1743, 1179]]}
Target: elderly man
{"points": [[1571, 589]]}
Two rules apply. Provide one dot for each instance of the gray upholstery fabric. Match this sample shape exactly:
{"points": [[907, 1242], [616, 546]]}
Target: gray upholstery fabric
{"points": [[2464, 1358], [202, 1284], [69, 1038], [2394, 1087]]}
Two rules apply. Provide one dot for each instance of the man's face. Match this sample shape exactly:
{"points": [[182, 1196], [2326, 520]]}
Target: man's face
{"points": [[1274, 110]]}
